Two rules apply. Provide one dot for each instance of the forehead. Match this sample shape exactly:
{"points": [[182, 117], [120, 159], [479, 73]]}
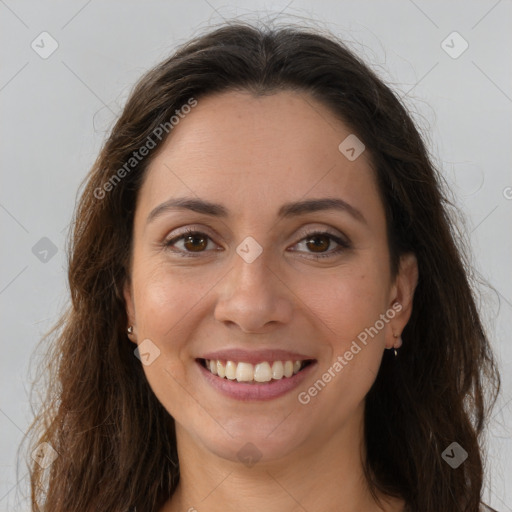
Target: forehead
{"points": [[273, 148]]}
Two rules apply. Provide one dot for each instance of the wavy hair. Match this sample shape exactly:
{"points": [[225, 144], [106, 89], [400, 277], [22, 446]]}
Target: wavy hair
{"points": [[116, 443]]}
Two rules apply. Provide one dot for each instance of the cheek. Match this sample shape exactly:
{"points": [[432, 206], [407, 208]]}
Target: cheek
{"points": [[349, 313], [165, 302], [164, 299], [348, 302], [350, 310]]}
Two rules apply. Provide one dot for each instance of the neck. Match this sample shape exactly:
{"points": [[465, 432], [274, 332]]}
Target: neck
{"points": [[326, 475]]}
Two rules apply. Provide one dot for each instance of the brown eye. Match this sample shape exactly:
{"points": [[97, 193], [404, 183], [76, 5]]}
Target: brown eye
{"points": [[318, 243], [195, 243], [191, 242]]}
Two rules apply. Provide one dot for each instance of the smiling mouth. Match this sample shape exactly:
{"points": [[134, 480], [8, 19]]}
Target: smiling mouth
{"points": [[260, 373]]}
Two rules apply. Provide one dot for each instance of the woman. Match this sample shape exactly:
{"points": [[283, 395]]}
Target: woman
{"points": [[270, 310]]}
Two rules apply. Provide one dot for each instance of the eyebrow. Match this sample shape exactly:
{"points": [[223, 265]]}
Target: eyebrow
{"points": [[287, 210]]}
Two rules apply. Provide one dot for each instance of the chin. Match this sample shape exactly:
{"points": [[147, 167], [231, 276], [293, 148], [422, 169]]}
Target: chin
{"points": [[257, 441]]}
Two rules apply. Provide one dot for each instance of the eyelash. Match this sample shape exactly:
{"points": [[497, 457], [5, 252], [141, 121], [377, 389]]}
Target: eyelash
{"points": [[192, 232]]}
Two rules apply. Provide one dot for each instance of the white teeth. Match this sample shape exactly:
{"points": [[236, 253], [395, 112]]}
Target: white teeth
{"points": [[288, 369], [277, 370], [231, 370], [262, 372], [246, 372], [221, 371]]}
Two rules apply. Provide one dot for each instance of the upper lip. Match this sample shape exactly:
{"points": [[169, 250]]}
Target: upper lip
{"points": [[255, 356]]}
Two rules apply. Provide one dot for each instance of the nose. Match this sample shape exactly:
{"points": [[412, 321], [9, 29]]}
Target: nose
{"points": [[254, 297]]}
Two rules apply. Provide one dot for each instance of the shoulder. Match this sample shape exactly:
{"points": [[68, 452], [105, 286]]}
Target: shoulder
{"points": [[486, 508]]}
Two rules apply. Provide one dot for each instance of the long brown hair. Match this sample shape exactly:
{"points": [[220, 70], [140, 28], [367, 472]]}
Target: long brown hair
{"points": [[115, 443]]}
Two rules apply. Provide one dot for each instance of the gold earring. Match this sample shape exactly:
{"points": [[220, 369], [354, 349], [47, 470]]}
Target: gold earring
{"points": [[399, 343]]}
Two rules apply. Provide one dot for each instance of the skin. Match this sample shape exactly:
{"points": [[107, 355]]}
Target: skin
{"points": [[252, 155]]}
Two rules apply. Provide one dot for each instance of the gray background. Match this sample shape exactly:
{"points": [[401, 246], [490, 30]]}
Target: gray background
{"points": [[56, 112]]}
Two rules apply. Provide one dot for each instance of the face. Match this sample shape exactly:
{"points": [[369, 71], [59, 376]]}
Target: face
{"points": [[250, 272]]}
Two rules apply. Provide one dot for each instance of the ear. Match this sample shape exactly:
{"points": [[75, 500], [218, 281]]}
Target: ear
{"points": [[130, 308], [402, 293]]}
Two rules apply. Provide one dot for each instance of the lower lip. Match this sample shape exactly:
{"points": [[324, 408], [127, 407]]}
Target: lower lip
{"points": [[258, 391]]}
